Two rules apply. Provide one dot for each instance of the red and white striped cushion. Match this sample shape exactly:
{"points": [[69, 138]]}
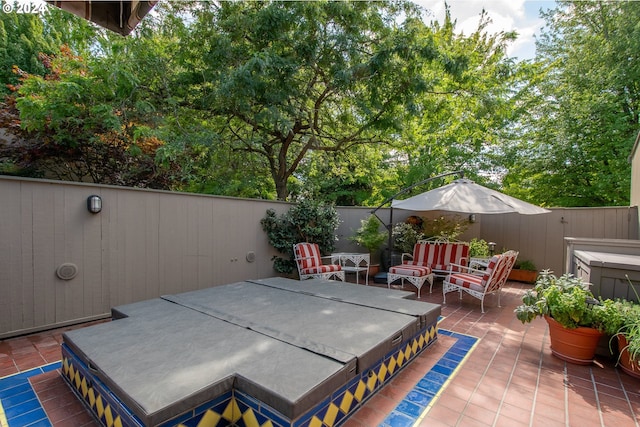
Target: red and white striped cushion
{"points": [[321, 269], [410, 270], [490, 267], [309, 254], [424, 254], [438, 256], [467, 280]]}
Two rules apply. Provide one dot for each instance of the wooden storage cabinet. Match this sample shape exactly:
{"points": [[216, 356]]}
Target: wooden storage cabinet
{"points": [[608, 273]]}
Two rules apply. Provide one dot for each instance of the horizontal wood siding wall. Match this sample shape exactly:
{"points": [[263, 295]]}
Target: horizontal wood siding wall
{"points": [[142, 245], [148, 243], [538, 238]]}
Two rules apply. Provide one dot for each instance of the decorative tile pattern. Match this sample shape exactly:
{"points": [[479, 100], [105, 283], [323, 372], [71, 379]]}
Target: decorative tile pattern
{"points": [[19, 406], [241, 410], [418, 401]]}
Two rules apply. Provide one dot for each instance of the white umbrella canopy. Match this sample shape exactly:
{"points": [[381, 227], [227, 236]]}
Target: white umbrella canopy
{"points": [[465, 196]]}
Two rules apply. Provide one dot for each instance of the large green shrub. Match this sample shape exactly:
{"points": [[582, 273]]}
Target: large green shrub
{"points": [[405, 237], [369, 234], [308, 221]]}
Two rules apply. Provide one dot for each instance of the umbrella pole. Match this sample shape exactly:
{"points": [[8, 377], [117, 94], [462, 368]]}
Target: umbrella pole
{"points": [[389, 226]]}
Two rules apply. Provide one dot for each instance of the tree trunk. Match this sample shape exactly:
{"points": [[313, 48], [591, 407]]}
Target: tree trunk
{"points": [[282, 192]]}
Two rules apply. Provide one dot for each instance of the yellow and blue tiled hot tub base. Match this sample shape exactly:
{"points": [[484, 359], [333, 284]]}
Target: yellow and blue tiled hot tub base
{"points": [[235, 408]]}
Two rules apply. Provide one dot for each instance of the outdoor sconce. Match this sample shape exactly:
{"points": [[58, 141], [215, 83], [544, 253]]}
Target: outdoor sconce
{"points": [[472, 218], [94, 204], [492, 248]]}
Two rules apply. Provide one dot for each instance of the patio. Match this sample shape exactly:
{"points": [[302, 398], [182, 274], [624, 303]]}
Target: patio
{"points": [[505, 377]]}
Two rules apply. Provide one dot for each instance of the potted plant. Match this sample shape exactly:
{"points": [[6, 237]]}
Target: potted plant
{"points": [[576, 319], [624, 326], [369, 236], [524, 271], [629, 340]]}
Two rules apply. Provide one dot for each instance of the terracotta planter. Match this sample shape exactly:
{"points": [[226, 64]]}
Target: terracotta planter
{"points": [[576, 346], [373, 270], [630, 367], [526, 276]]}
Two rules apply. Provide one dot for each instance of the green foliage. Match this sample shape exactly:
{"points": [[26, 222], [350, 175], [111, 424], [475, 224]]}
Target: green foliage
{"points": [[566, 299], [369, 234], [631, 330], [525, 264], [307, 221], [478, 248], [623, 317], [92, 120], [406, 234], [334, 101], [21, 41], [405, 237], [625, 320], [581, 109], [444, 227], [283, 79]]}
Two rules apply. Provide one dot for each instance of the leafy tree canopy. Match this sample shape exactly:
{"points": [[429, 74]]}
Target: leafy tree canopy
{"points": [[582, 104], [344, 102], [289, 78]]}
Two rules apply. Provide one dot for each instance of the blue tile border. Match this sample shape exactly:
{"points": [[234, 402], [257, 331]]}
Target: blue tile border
{"points": [[418, 401], [19, 406]]}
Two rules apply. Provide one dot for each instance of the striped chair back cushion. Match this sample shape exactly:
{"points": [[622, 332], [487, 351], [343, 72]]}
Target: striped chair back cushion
{"points": [[451, 253], [440, 255], [424, 254], [493, 264], [308, 255], [509, 262]]}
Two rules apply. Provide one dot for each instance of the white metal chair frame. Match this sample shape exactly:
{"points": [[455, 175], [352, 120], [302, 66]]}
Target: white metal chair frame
{"points": [[317, 260], [492, 285]]}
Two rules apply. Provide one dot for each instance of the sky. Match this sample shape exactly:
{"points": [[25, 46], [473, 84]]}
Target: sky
{"points": [[521, 16]]}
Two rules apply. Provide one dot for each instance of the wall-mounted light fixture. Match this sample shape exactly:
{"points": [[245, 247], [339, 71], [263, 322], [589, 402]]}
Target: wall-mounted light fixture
{"points": [[472, 218], [492, 248], [94, 204]]}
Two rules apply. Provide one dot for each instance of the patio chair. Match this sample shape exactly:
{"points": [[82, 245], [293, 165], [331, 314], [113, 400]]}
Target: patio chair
{"points": [[480, 283], [310, 265]]}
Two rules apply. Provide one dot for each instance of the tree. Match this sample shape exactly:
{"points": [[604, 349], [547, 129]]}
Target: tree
{"points": [[464, 117], [582, 101], [88, 121], [279, 80], [21, 40]]}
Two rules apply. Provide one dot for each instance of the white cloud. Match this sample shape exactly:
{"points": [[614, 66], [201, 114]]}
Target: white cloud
{"points": [[506, 15]]}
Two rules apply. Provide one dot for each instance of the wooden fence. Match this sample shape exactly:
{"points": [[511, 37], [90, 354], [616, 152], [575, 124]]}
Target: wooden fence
{"points": [[61, 264]]}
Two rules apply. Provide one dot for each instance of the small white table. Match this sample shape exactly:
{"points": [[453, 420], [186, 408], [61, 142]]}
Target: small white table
{"points": [[352, 262], [479, 262]]}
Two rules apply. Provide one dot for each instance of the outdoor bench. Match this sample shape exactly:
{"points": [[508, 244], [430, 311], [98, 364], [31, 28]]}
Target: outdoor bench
{"points": [[429, 259]]}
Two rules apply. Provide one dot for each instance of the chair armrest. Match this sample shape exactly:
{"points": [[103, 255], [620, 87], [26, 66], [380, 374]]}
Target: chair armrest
{"points": [[334, 260], [466, 269], [405, 254]]}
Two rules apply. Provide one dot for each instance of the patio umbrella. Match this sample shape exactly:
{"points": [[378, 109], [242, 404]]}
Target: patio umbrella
{"points": [[465, 196]]}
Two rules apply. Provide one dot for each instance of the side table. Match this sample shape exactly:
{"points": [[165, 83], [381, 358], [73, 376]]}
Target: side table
{"points": [[352, 262]]}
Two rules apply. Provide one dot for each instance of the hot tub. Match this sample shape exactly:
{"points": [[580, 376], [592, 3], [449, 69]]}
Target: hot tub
{"points": [[276, 351]]}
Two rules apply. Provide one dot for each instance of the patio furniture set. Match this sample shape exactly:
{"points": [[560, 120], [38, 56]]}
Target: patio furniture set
{"points": [[430, 258]]}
